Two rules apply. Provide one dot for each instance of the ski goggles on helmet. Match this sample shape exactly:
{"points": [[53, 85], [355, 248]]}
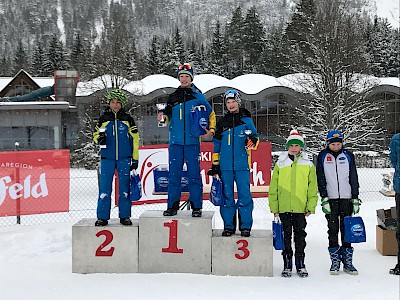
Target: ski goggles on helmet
{"points": [[232, 94], [185, 67]]}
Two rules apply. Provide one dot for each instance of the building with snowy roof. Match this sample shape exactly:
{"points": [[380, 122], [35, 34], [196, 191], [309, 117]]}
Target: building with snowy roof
{"points": [[55, 121]]}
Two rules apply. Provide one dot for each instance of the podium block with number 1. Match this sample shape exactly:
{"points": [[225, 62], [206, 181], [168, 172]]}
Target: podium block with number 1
{"points": [[177, 244]]}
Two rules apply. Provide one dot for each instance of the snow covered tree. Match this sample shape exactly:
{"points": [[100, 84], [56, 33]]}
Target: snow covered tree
{"points": [[234, 41], [78, 57], [334, 93], [384, 49], [38, 60], [153, 60], [55, 57], [20, 59], [169, 59], [178, 47], [253, 41], [87, 152], [217, 53]]}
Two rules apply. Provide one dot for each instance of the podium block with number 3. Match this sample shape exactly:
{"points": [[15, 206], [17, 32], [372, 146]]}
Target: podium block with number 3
{"points": [[177, 244], [242, 256], [109, 249]]}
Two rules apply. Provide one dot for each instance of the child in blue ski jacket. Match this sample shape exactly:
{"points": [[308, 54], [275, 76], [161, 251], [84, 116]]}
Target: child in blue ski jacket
{"points": [[184, 146], [118, 137], [234, 137], [338, 187], [395, 160]]}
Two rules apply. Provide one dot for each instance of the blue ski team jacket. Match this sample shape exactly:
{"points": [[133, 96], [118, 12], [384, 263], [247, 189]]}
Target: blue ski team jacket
{"points": [[230, 140], [122, 138], [179, 114], [395, 160]]}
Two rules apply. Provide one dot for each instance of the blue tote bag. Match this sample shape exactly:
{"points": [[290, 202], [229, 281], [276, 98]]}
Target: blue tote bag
{"points": [[354, 230], [216, 192], [199, 120], [277, 233], [135, 191]]}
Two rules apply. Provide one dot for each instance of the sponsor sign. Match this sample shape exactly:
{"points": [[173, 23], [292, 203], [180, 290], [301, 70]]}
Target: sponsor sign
{"points": [[153, 157], [34, 182]]}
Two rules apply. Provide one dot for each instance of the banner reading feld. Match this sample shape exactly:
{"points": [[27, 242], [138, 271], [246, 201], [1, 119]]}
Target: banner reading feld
{"points": [[34, 182]]}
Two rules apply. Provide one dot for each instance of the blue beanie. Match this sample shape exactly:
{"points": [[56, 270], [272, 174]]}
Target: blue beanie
{"points": [[334, 136], [186, 69]]}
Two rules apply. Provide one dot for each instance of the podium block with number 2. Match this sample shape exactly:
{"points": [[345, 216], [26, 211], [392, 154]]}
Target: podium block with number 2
{"points": [[109, 249], [177, 244]]}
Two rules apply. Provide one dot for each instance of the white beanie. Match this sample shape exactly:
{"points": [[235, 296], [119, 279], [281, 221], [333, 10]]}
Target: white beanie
{"points": [[295, 138]]}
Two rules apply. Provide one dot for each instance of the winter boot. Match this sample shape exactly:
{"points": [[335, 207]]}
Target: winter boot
{"points": [[172, 211], [228, 232], [300, 266], [287, 265], [335, 258], [245, 232], [347, 260], [196, 213], [125, 221], [101, 222], [395, 270]]}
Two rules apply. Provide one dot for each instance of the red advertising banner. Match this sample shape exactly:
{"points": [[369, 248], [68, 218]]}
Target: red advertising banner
{"points": [[34, 182], [156, 157]]}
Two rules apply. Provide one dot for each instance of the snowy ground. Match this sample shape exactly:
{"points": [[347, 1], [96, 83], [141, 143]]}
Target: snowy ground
{"points": [[35, 263]]}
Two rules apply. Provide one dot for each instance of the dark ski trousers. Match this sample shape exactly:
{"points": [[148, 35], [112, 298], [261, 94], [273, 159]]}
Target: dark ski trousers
{"points": [[178, 154], [294, 223], [340, 208], [397, 197]]}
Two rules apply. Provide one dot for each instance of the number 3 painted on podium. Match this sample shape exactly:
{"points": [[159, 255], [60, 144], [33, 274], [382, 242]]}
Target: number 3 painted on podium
{"points": [[246, 252]]}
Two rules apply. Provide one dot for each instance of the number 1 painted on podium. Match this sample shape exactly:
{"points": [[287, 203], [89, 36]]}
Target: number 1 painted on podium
{"points": [[173, 238]]}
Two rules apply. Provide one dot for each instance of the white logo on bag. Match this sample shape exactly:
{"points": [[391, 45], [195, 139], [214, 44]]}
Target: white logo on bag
{"points": [[357, 230], [18, 190]]}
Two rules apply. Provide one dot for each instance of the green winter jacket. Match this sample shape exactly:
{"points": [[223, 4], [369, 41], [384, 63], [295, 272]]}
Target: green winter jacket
{"points": [[293, 185]]}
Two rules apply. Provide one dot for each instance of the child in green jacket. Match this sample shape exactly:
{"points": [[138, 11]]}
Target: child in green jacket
{"points": [[292, 197]]}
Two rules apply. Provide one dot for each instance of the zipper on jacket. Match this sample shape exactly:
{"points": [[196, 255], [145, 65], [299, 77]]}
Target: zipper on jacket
{"points": [[337, 178], [233, 142], [116, 135]]}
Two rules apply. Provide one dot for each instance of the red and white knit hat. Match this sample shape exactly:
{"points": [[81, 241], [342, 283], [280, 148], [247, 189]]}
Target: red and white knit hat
{"points": [[295, 138]]}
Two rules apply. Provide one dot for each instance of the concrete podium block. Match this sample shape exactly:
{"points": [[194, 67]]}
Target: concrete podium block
{"points": [[107, 249], [177, 244], [242, 256]]}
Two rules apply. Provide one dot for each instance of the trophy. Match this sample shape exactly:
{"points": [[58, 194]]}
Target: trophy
{"points": [[160, 108], [102, 137]]}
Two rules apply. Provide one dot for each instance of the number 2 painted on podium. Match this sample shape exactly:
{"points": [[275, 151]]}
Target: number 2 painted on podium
{"points": [[244, 249], [173, 238], [109, 237]]}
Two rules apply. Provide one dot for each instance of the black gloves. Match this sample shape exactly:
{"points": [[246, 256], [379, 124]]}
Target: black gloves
{"points": [[215, 170], [102, 140], [251, 141], [134, 164]]}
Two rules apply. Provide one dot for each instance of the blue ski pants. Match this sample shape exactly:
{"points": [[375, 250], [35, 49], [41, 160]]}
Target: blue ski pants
{"points": [[107, 169], [178, 154], [244, 203]]}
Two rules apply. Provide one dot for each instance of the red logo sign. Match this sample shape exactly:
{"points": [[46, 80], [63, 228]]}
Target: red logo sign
{"points": [[328, 158], [34, 182]]}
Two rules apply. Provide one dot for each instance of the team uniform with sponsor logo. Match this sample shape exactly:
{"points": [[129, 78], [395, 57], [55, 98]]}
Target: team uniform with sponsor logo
{"points": [[183, 145], [118, 132], [230, 154], [339, 188]]}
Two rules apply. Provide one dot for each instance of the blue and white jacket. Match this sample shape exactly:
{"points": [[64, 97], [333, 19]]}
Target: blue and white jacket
{"points": [[230, 140], [179, 113], [337, 174], [395, 160]]}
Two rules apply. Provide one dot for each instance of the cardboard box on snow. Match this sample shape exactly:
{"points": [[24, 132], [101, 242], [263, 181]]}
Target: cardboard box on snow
{"points": [[386, 242], [386, 217]]}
